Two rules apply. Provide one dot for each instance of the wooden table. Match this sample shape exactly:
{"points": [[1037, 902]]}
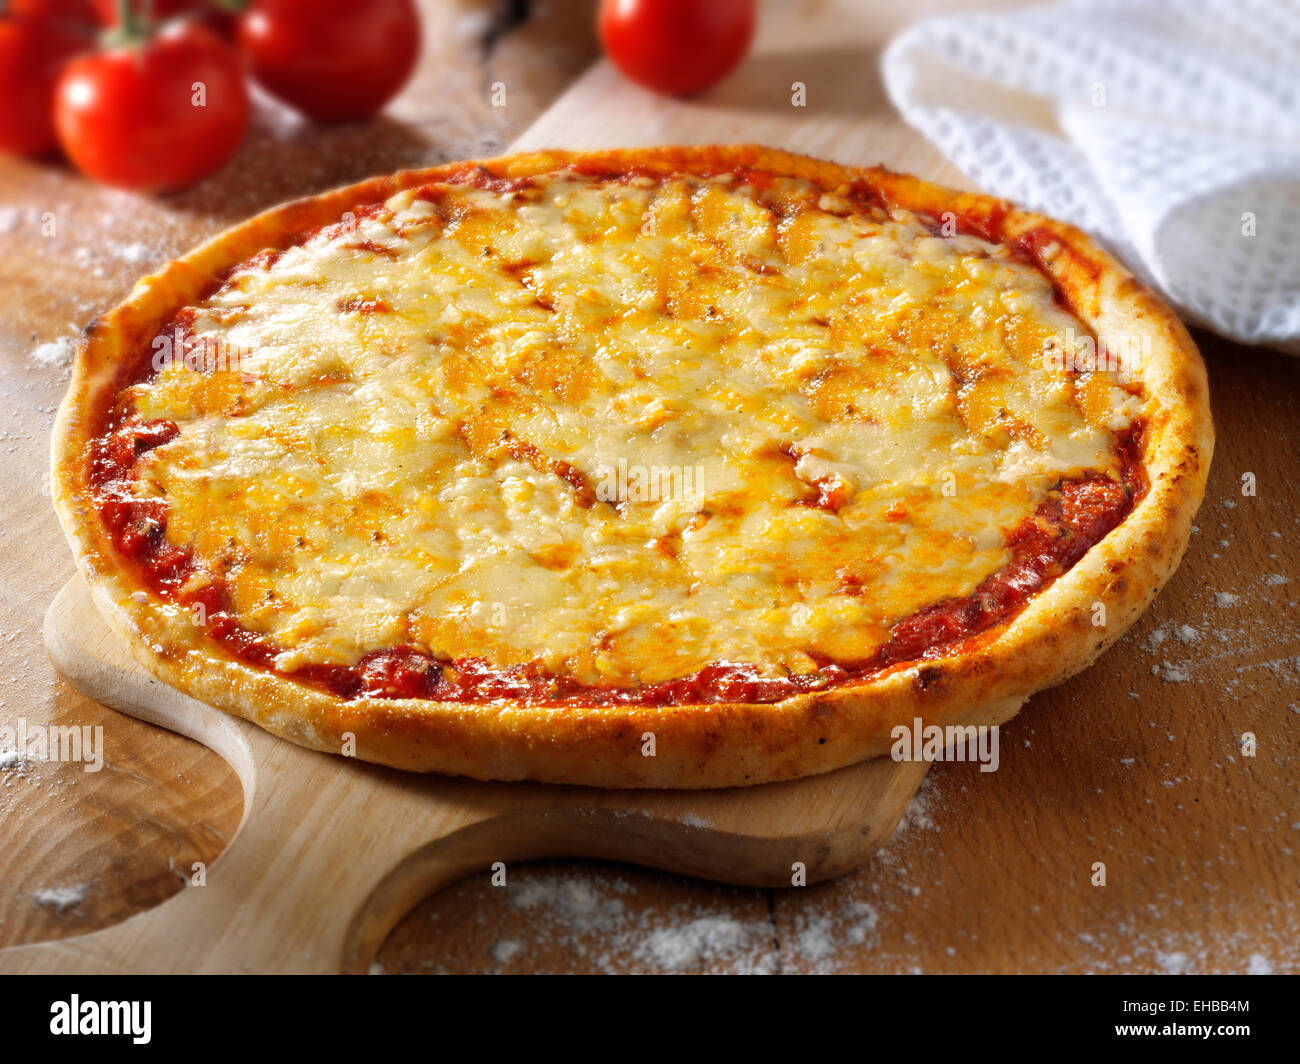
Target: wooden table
{"points": [[1138, 763]]}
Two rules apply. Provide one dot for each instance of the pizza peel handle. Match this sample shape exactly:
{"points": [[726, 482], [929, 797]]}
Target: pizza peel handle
{"points": [[331, 852]]}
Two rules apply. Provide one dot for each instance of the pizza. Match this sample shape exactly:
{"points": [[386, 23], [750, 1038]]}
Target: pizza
{"points": [[677, 467]]}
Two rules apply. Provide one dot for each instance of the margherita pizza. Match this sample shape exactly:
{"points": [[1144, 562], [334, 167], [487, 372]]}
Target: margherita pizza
{"points": [[500, 466]]}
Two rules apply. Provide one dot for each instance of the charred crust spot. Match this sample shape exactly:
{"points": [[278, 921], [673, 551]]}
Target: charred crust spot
{"points": [[928, 676]]}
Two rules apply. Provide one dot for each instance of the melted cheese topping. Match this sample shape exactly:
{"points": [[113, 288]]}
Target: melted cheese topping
{"points": [[624, 429]]}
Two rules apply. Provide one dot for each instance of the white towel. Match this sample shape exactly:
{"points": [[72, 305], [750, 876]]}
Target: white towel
{"points": [[1170, 129]]}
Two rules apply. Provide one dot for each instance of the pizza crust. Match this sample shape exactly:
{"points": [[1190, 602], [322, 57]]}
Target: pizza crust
{"points": [[697, 745]]}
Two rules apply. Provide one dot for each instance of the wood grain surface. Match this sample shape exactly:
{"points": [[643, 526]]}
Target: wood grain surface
{"points": [[1138, 763]]}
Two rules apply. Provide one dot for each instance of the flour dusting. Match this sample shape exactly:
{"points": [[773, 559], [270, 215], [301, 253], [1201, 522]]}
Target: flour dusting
{"points": [[56, 354], [60, 899]]}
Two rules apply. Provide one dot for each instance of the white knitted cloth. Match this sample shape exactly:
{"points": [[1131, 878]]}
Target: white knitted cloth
{"points": [[1168, 128]]}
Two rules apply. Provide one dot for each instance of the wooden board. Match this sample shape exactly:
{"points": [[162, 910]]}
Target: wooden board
{"points": [[332, 852], [1138, 768]]}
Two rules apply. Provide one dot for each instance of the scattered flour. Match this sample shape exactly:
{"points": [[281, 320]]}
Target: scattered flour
{"points": [[866, 918], [917, 814], [137, 253], [575, 900], [60, 899], [814, 938], [1224, 599], [580, 911], [1171, 673], [56, 354], [505, 951], [704, 941]]}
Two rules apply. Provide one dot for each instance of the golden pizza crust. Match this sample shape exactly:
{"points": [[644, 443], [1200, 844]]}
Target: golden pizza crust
{"points": [[697, 745]]}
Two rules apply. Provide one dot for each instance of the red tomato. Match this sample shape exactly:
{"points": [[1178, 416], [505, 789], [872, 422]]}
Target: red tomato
{"points": [[130, 115], [677, 47], [336, 60], [79, 12], [33, 52]]}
